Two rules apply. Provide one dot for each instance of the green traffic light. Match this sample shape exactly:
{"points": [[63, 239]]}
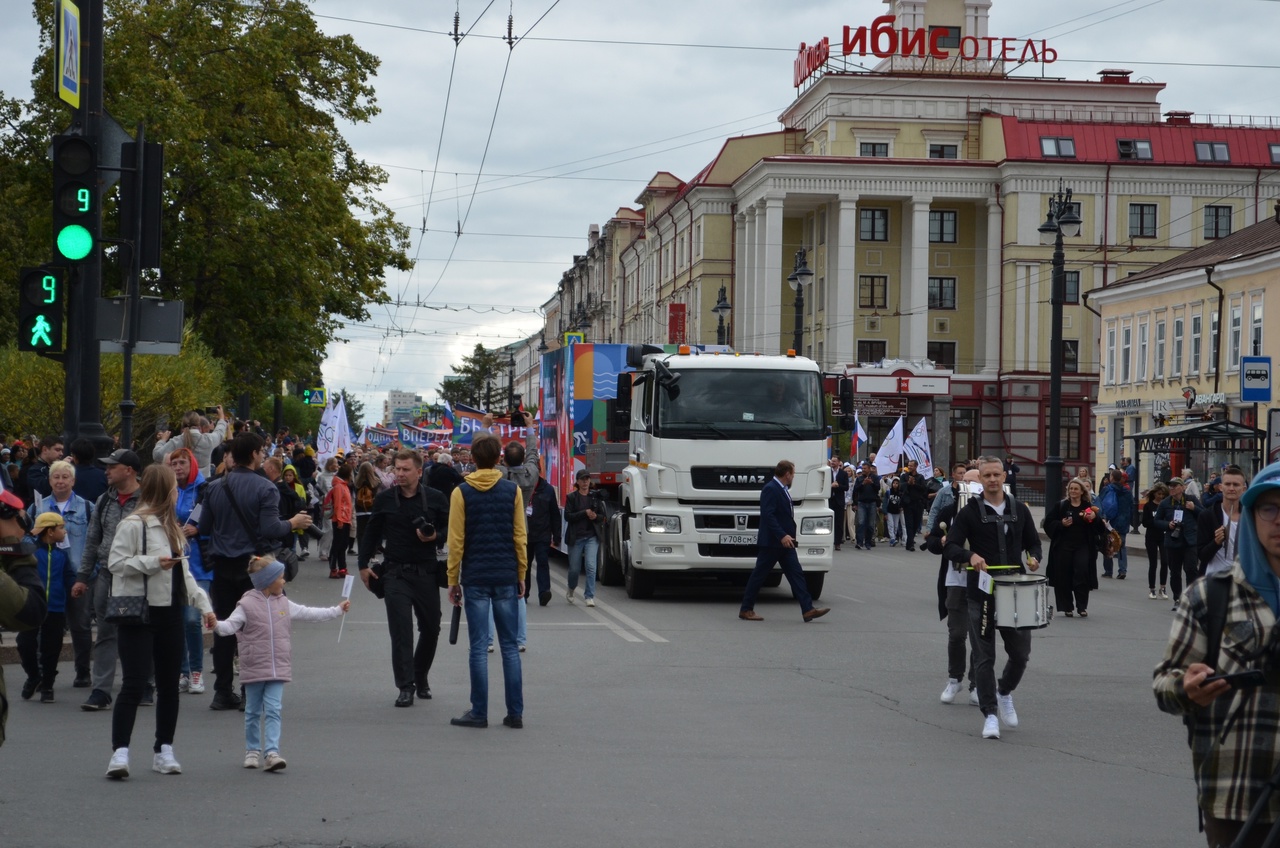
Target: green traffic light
{"points": [[40, 333], [74, 242]]}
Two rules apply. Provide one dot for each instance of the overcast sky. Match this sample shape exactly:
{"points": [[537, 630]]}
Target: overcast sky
{"points": [[602, 95]]}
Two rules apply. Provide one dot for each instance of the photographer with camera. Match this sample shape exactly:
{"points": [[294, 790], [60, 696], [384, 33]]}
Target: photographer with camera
{"points": [[409, 521], [1220, 674], [1178, 516], [584, 513]]}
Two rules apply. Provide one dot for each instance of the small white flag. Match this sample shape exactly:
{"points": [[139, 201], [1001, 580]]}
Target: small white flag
{"points": [[347, 583]]}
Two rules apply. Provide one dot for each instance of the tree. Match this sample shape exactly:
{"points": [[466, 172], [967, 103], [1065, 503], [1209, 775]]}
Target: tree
{"points": [[467, 383], [272, 235]]}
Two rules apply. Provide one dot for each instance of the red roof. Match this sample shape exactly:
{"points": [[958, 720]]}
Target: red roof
{"points": [[1171, 144]]}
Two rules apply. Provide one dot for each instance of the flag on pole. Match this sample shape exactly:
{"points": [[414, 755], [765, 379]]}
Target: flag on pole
{"points": [[890, 450], [334, 434], [917, 448], [859, 434]]}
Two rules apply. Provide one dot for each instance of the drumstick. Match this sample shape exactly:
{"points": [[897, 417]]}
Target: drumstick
{"points": [[991, 567]]}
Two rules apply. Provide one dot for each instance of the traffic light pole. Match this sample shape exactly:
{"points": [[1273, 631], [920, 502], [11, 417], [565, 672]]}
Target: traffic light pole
{"points": [[133, 302]]}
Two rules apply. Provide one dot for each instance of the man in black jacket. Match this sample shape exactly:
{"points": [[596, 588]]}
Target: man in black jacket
{"points": [[1217, 526], [916, 491], [543, 514], [866, 498], [994, 530], [1179, 517], [839, 489], [409, 520]]}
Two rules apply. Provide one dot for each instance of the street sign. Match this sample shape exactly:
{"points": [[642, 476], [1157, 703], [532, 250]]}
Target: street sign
{"points": [[159, 325], [315, 397], [67, 60], [1255, 379]]}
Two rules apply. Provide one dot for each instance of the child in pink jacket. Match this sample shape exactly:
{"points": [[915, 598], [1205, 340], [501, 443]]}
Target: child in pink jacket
{"points": [[262, 622]]}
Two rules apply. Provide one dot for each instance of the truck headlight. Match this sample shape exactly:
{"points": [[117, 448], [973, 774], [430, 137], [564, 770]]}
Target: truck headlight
{"points": [[820, 526], [662, 523]]}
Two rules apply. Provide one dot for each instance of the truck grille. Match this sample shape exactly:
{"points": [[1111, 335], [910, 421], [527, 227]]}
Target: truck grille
{"points": [[727, 522]]}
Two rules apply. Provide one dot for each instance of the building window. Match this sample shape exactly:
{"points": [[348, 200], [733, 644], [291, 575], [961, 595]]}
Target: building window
{"points": [[1142, 220], [1234, 337], [942, 226], [872, 351], [1126, 353], [1070, 356], [1217, 222], [1069, 432], [1193, 366], [1134, 148], [876, 149], [873, 292], [1213, 344], [821, 290], [1071, 287], [944, 151], [873, 224], [1142, 352], [942, 292], [1255, 335], [949, 39], [1057, 148], [1175, 370], [943, 354], [1158, 370], [1212, 151], [1275, 154], [821, 224], [1111, 356], [697, 239]]}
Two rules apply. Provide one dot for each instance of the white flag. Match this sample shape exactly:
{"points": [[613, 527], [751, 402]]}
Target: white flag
{"points": [[343, 427], [334, 433], [917, 448], [890, 450]]}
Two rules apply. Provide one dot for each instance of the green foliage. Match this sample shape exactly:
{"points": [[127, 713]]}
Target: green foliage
{"points": [[164, 387], [300, 418], [467, 385], [272, 234]]}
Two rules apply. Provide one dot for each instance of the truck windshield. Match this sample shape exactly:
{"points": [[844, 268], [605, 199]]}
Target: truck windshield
{"points": [[742, 404]]}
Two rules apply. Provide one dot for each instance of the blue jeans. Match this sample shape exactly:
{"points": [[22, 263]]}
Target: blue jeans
{"points": [[1123, 557], [262, 702], [866, 535], [502, 600], [193, 659], [522, 629], [584, 552]]}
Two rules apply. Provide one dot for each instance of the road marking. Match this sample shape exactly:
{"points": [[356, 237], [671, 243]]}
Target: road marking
{"points": [[847, 598], [629, 621], [596, 613]]}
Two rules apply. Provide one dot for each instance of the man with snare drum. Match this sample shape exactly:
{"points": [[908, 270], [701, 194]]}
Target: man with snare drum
{"points": [[988, 533]]}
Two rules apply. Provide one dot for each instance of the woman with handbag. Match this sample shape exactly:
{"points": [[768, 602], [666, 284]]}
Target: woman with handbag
{"points": [[1076, 531], [151, 585]]}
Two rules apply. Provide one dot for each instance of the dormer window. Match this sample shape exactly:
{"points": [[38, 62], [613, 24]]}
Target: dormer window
{"points": [[1134, 148], [1212, 151], [1057, 148]]}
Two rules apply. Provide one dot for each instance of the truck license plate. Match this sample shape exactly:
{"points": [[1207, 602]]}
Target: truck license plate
{"points": [[737, 538]]}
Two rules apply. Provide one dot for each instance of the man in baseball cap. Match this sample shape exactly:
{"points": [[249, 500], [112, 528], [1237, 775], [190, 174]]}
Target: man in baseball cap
{"points": [[124, 457]]}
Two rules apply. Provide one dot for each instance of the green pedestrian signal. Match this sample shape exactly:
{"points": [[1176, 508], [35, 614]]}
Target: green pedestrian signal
{"points": [[42, 292], [315, 397], [77, 216]]}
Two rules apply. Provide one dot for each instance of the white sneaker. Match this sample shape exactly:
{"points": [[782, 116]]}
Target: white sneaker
{"points": [[522, 649], [197, 683], [1164, 594], [1004, 705], [973, 697], [591, 602], [184, 684], [990, 727], [568, 596], [491, 647], [252, 759], [1152, 595], [953, 689], [119, 766], [275, 762], [164, 761]]}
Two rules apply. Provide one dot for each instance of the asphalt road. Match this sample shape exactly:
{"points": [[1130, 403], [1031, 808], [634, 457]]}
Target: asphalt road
{"points": [[666, 722]]}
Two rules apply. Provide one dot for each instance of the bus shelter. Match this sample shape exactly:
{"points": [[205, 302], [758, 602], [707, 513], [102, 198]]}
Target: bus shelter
{"points": [[1203, 445]]}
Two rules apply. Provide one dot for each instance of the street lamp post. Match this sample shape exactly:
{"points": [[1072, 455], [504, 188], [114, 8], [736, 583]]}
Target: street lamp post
{"points": [[511, 381], [798, 279], [721, 309], [1061, 221]]}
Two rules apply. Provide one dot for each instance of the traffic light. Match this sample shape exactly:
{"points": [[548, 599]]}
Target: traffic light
{"points": [[77, 217], [41, 293]]}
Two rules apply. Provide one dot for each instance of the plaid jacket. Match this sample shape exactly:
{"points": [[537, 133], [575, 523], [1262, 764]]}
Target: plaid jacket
{"points": [[1232, 770]]}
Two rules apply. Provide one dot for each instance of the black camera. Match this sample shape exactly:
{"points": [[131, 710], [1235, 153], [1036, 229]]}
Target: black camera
{"points": [[423, 526]]}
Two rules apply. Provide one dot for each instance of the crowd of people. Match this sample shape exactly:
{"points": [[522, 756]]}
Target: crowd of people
{"points": [[138, 561]]}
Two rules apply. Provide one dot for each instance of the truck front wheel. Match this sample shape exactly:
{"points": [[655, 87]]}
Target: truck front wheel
{"points": [[639, 583], [813, 582], [609, 564]]}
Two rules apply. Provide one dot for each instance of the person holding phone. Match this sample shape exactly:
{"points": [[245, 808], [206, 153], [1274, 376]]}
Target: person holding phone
{"points": [[1230, 701], [196, 436], [1178, 516]]}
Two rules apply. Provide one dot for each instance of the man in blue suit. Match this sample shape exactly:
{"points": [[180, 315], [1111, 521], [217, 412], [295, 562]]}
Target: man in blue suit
{"points": [[777, 544]]}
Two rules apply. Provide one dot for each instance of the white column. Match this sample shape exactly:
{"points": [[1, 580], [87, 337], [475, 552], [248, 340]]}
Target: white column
{"points": [[842, 284], [914, 324], [771, 276], [751, 298], [988, 355], [739, 315]]}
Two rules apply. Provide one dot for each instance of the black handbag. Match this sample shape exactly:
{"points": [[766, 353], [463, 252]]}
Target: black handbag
{"points": [[131, 609]]}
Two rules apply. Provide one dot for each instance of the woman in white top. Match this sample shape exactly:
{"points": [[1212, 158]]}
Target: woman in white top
{"points": [[147, 559]]}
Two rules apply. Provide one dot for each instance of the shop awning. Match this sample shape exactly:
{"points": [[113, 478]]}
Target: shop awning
{"points": [[1195, 435]]}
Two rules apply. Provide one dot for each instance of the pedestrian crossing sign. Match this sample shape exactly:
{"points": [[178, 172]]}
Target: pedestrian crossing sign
{"points": [[68, 58]]}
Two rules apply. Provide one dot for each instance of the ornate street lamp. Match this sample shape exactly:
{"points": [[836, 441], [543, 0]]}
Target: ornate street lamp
{"points": [[798, 279], [1061, 221], [721, 309]]}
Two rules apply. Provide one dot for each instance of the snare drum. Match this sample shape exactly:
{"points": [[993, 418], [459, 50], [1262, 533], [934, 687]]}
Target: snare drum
{"points": [[1022, 601]]}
